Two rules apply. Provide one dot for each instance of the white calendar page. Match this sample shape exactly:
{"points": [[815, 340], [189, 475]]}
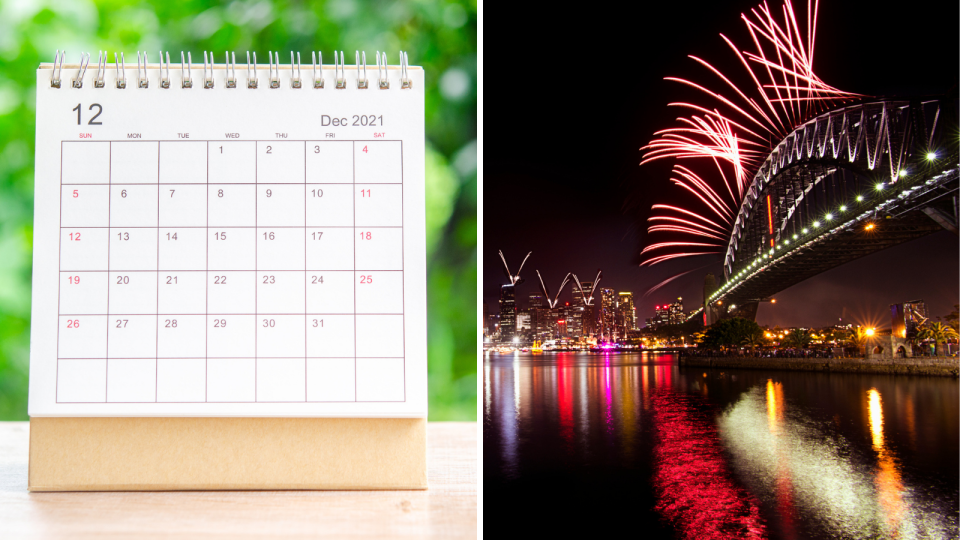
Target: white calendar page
{"points": [[229, 252]]}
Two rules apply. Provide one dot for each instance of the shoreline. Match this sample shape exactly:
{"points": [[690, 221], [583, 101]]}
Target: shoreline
{"points": [[938, 366]]}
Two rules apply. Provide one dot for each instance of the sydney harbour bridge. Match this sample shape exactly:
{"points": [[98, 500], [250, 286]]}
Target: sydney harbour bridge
{"points": [[850, 182]]}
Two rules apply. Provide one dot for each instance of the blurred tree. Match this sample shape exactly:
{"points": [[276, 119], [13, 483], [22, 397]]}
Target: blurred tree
{"points": [[441, 36], [798, 339], [729, 332]]}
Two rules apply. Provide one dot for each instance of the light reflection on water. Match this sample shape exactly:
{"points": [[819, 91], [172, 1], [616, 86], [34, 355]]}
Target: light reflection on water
{"points": [[796, 462], [824, 456]]}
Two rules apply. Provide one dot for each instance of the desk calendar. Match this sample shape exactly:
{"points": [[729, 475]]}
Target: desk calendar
{"points": [[214, 241]]}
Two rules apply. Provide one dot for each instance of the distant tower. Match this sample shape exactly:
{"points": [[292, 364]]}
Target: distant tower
{"points": [[608, 313], [584, 316], [508, 313], [628, 314]]}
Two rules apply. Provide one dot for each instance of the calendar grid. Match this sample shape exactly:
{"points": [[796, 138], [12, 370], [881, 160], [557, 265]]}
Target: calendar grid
{"points": [[377, 263]]}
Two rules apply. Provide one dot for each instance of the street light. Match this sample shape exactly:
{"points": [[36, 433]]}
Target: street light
{"points": [[869, 332]]}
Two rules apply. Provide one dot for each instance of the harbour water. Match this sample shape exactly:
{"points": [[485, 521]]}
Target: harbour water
{"points": [[585, 439]]}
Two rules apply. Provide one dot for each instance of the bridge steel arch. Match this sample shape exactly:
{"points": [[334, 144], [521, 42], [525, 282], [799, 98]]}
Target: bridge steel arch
{"points": [[847, 183]]}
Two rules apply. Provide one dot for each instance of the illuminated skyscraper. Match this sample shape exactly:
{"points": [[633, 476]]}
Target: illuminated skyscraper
{"points": [[584, 315], [508, 313], [676, 312], [626, 311], [608, 313]]}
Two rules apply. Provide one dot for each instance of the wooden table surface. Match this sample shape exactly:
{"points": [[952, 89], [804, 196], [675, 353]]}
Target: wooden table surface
{"points": [[448, 509]]}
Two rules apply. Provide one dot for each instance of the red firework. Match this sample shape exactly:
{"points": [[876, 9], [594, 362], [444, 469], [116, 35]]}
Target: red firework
{"points": [[734, 134]]}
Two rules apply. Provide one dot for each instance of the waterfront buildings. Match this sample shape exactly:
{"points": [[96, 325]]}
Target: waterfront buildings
{"points": [[611, 316]]}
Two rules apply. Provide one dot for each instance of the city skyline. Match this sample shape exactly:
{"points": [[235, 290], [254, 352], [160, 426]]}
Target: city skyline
{"points": [[853, 293]]}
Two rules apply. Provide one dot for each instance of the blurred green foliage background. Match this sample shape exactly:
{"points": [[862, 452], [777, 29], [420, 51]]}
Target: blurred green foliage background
{"points": [[439, 35]]}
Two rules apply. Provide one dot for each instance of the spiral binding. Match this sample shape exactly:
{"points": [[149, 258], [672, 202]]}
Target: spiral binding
{"points": [[230, 70]]}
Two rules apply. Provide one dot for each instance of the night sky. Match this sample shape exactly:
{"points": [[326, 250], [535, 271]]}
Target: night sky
{"points": [[583, 91]]}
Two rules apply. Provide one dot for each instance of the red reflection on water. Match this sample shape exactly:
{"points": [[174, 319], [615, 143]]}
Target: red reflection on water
{"points": [[608, 398], [783, 484], [695, 490], [565, 399]]}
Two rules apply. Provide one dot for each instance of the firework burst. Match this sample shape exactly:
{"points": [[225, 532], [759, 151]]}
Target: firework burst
{"points": [[735, 134]]}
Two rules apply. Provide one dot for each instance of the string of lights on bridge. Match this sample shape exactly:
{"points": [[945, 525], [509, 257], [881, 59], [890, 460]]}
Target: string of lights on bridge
{"points": [[807, 234]]}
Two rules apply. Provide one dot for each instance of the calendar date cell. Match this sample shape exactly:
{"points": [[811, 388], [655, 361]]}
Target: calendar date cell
{"points": [[133, 206], [377, 162], [330, 292], [232, 205], [132, 336], [133, 249], [181, 292], [280, 162], [182, 248], [330, 162], [280, 292], [133, 293], [379, 336], [330, 379], [380, 379], [232, 162], [134, 162], [280, 249], [231, 380], [85, 163], [330, 336], [330, 248], [281, 335], [131, 380], [231, 248], [379, 205], [82, 381], [181, 336], [183, 205], [232, 292], [181, 380], [379, 248], [280, 205], [84, 248], [84, 206], [281, 379], [83, 293], [379, 292], [231, 336], [82, 336], [183, 162], [329, 205]]}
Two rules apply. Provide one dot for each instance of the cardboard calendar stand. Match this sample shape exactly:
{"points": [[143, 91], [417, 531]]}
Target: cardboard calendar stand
{"points": [[226, 444], [144, 454]]}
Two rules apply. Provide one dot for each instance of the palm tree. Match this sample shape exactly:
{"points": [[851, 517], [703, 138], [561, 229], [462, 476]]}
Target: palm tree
{"points": [[937, 332], [753, 340], [857, 337], [798, 339]]}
